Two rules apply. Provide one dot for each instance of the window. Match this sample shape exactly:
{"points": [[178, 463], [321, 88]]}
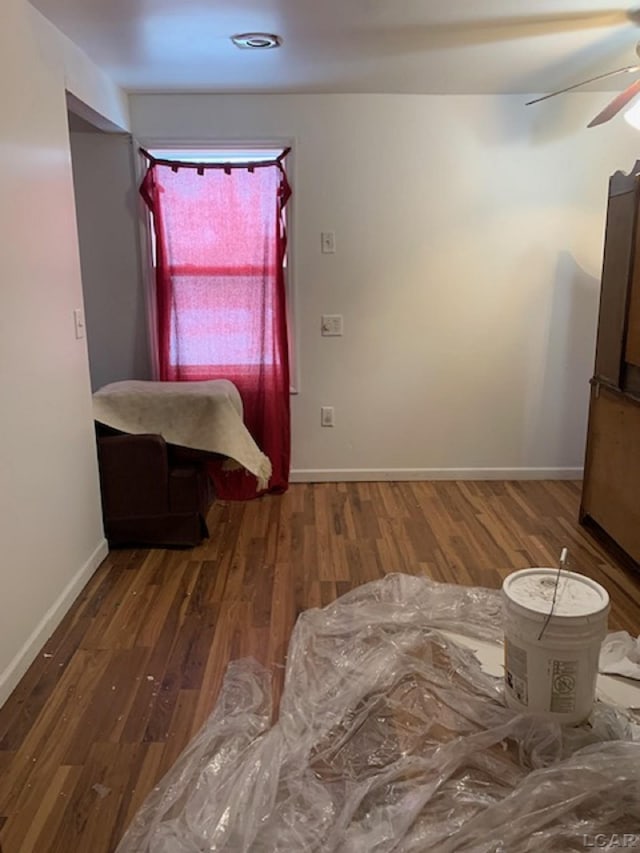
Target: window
{"points": [[235, 320]]}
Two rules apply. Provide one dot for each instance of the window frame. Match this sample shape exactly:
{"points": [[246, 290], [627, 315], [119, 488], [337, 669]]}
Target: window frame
{"points": [[190, 148]]}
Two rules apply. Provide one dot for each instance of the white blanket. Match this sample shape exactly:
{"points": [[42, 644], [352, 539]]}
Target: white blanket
{"points": [[201, 415]]}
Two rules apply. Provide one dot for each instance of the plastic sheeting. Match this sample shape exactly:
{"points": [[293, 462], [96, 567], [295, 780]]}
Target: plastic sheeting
{"points": [[620, 654], [390, 737]]}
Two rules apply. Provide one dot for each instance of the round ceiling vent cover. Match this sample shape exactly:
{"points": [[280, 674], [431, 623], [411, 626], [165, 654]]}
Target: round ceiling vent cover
{"points": [[256, 41]]}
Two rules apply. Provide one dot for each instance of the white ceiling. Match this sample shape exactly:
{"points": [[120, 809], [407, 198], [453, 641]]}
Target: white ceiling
{"points": [[413, 46]]}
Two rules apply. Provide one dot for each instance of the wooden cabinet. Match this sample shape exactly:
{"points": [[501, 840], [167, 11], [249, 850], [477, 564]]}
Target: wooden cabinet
{"points": [[611, 486]]}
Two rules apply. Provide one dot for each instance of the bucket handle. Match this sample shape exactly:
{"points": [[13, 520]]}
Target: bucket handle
{"points": [[562, 564]]}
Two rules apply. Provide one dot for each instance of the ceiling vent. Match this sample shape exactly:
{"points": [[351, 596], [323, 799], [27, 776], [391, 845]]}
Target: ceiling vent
{"points": [[256, 41]]}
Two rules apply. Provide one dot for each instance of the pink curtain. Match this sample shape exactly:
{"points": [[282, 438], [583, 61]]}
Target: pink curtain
{"points": [[220, 243]]}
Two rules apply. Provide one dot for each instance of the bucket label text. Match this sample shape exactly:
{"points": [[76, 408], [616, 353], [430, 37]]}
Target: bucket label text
{"points": [[564, 677], [515, 665]]}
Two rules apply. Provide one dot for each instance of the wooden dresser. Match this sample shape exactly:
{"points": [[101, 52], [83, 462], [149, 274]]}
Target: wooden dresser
{"points": [[611, 487]]}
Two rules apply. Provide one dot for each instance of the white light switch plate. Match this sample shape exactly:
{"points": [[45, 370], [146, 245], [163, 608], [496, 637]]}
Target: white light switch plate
{"points": [[327, 418], [78, 322], [328, 242]]}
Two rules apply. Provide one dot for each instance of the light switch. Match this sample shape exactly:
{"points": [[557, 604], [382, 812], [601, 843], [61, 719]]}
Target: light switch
{"points": [[328, 242], [327, 416], [78, 321]]}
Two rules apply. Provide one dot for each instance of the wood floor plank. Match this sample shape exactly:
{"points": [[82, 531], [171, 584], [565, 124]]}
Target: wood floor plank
{"points": [[283, 610], [181, 728], [133, 670], [50, 811], [91, 812], [109, 702], [43, 747], [144, 774]]}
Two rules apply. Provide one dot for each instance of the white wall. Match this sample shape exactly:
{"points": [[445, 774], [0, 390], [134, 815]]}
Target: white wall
{"points": [[469, 242], [107, 210], [50, 522], [104, 102]]}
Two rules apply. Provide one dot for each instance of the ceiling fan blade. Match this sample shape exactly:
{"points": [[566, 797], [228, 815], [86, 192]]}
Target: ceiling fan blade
{"points": [[617, 104], [627, 68]]}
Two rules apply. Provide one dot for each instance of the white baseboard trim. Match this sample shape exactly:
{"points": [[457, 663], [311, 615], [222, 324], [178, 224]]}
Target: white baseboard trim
{"points": [[347, 475], [49, 622]]}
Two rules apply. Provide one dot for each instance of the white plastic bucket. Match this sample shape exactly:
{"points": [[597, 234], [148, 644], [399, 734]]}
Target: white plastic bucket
{"points": [[553, 674]]}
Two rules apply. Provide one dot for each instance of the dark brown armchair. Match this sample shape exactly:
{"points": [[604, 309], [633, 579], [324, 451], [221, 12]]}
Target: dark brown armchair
{"points": [[153, 493]]}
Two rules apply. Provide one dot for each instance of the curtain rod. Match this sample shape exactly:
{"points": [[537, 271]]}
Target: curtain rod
{"points": [[186, 164]]}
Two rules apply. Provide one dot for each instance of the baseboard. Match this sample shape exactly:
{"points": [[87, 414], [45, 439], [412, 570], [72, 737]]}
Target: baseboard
{"points": [[50, 621], [340, 475]]}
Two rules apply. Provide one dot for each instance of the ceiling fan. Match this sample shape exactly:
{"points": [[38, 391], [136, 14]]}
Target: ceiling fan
{"points": [[614, 106]]}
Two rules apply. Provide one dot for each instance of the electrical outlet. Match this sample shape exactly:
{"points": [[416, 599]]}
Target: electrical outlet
{"points": [[331, 325], [326, 416]]}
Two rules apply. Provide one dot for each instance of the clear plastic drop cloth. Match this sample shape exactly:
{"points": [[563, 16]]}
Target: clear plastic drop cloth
{"points": [[620, 655], [390, 737]]}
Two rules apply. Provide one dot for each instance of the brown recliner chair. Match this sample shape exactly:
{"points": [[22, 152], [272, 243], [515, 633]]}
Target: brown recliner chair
{"points": [[153, 493]]}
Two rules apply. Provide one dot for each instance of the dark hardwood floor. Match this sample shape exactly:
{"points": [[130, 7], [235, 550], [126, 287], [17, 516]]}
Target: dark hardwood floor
{"points": [[133, 670]]}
